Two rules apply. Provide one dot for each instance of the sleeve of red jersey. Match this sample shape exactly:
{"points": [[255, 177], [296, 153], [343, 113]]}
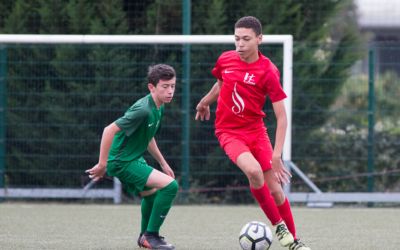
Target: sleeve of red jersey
{"points": [[216, 71], [274, 87]]}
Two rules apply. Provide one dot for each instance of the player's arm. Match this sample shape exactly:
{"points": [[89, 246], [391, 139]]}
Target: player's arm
{"points": [[98, 171], [280, 113], [203, 107], [156, 153]]}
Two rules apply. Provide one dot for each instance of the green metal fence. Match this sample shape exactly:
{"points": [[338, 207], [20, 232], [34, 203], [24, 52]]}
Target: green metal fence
{"points": [[56, 100]]}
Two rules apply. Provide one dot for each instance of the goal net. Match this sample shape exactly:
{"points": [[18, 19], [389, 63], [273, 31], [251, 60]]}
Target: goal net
{"points": [[58, 92]]}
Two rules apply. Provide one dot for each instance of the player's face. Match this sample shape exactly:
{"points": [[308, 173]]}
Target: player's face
{"points": [[246, 42], [163, 92]]}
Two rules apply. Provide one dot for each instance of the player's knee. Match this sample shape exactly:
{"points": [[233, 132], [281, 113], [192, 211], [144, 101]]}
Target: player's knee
{"points": [[172, 187], [255, 176], [279, 196], [175, 186]]}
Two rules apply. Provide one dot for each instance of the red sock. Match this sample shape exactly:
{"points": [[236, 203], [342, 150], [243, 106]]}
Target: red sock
{"points": [[267, 203], [287, 216]]}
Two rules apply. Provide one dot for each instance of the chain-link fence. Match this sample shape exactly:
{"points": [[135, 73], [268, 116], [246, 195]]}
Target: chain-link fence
{"points": [[58, 98]]}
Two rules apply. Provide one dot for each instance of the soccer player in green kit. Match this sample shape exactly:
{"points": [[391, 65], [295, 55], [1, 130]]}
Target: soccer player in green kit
{"points": [[121, 155]]}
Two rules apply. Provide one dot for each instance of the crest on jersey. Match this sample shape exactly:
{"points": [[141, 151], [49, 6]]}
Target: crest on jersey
{"points": [[249, 78]]}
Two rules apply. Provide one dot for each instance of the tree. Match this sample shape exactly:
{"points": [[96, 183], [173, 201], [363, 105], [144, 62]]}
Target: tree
{"points": [[79, 89], [53, 93], [163, 17]]}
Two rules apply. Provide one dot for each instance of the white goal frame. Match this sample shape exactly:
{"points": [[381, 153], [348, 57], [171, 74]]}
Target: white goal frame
{"points": [[316, 197]]}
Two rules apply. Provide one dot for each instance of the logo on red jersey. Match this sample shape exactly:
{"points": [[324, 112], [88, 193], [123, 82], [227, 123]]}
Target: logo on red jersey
{"points": [[238, 108], [249, 79]]}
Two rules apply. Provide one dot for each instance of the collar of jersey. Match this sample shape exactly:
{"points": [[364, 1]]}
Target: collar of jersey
{"points": [[152, 103]]}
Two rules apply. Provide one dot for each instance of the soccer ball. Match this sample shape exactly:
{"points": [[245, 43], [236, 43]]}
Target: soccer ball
{"points": [[255, 235]]}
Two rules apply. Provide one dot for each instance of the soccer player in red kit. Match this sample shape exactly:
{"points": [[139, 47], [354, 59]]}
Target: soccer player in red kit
{"points": [[245, 78]]}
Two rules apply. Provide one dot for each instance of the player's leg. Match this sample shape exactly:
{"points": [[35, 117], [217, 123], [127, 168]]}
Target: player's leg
{"points": [[281, 201], [284, 210], [138, 177], [167, 188], [148, 197], [147, 205], [262, 150], [236, 147], [262, 194], [251, 168]]}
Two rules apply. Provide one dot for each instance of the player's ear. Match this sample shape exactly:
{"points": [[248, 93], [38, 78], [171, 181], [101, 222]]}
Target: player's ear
{"points": [[151, 87], [259, 39]]}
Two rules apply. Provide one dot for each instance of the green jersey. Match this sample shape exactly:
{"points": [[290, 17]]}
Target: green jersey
{"points": [[138, 126]]}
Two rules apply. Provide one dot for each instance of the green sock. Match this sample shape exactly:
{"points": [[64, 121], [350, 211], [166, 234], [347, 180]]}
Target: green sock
{"points": [[162, 204], [147, 207]]}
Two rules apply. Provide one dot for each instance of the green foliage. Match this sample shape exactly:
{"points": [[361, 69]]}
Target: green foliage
{"points": [[80, 14], [209, 17], [53, 18], [164, 17], [68, 110], [109, 19], [5, 8], [354, 97], [338, 151], [23, 18], [80, 89], [338, 160], [325, 55]]}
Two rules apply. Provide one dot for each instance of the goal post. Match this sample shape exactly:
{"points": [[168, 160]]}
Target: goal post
{"points": [[316, 196], [285, 40]]}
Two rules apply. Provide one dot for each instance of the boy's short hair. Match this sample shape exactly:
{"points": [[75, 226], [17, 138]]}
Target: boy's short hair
{"points": [[249, 22], [159, 72]]}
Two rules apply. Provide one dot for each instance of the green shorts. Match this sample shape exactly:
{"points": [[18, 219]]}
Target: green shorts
{"points": [[132, 174]]}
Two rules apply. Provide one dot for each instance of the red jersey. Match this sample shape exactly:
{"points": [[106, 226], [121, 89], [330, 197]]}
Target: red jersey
{"points": [[244, 91]]}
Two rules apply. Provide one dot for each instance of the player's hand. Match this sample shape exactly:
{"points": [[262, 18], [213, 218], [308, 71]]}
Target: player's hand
{"points": [[97, 172], [203, 112], [167, 170], [282, 174]]}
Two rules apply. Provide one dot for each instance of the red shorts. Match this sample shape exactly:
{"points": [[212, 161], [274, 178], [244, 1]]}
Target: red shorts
{"points": [[234, 143]]}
